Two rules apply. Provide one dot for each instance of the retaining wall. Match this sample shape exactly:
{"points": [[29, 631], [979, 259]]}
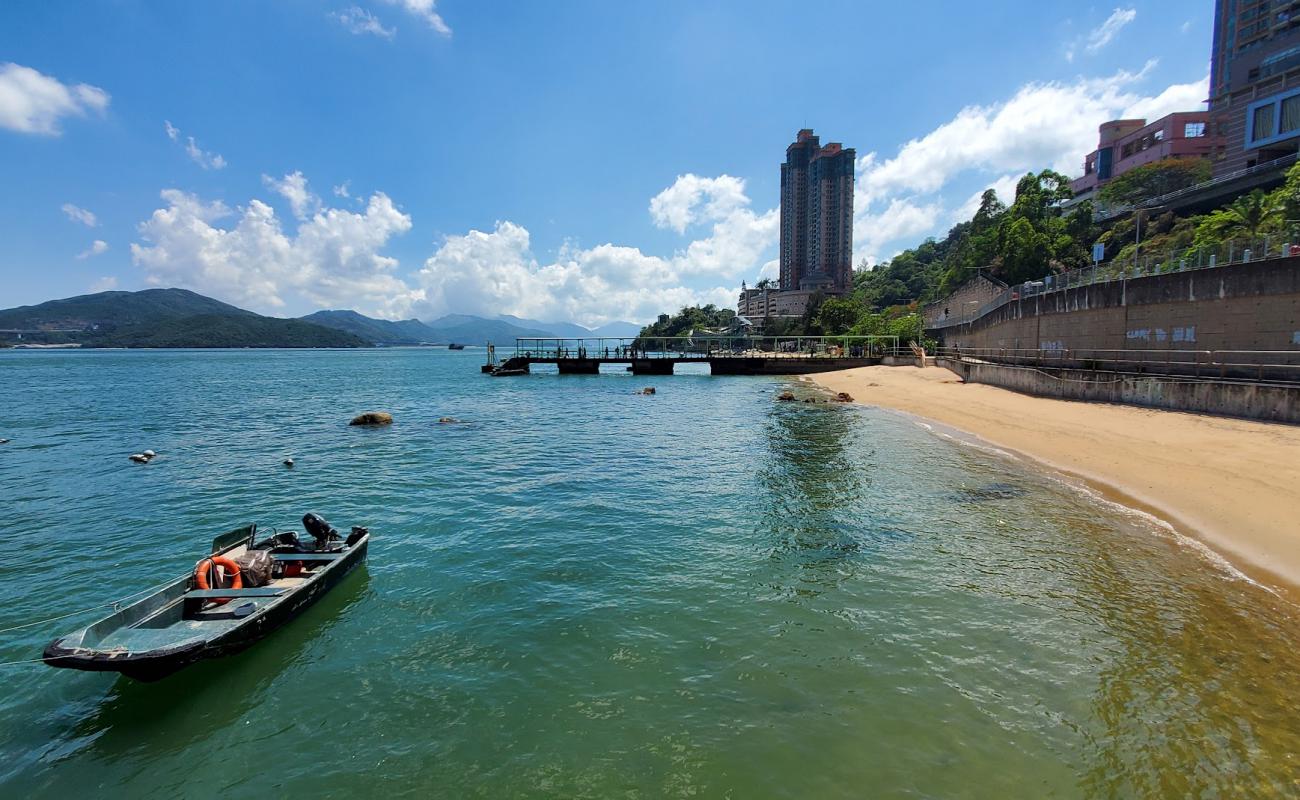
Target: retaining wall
{"points": [[1251, 401], [1253, 306]]}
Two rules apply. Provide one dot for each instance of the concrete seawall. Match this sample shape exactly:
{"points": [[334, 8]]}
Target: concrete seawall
{"points": [[1253, 306], [1247, 400]]}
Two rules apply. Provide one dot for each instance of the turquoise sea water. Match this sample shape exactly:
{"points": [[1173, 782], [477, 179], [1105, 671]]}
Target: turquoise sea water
{"points": [[582, 592]]}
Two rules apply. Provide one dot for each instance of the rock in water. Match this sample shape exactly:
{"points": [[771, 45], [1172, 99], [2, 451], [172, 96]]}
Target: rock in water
{"points": [[4, 441], [786, 397], [149, 454], [447, 420], [648, 390], [373, 418], [288, 462], [139, 458], [844, 397]]}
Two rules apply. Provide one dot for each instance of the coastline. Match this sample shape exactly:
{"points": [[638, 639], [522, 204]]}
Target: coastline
{"points": [[1233, 485]]}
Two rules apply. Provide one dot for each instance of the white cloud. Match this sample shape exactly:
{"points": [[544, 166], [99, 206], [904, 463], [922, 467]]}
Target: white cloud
{"points": [[333, 259], [694, 199], [104, 284], [78, 214], [31, 102], [1103, 35], [425, 10], [495, 272], [360, 21], [198, 155], [97, 247], [1186, 27], [901, 220], [1043, 125], [342, 189], [293, 187]]}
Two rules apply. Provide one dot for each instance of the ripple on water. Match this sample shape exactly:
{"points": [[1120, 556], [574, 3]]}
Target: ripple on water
{"points": [[582, 592]]}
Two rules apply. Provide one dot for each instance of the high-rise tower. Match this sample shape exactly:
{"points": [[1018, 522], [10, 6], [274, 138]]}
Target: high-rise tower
{"points": [[817, 215]]}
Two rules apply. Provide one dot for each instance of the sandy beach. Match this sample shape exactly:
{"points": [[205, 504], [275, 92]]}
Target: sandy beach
{"points": [[1232, 484]]}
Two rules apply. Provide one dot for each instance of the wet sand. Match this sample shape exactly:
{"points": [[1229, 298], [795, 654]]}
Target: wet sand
{"points": [[1232, 484]]}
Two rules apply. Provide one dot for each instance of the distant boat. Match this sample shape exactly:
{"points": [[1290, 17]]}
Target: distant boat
{"points": [[454, 346], [186, 622]]}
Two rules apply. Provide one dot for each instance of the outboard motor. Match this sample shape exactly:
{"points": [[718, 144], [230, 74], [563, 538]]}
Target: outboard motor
{"points": [[321, 531]]}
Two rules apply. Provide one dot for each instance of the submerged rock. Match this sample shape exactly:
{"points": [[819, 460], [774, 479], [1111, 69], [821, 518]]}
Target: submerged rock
{"points": [[786, 397], [373, 418], [646, 390], [447, 420]]}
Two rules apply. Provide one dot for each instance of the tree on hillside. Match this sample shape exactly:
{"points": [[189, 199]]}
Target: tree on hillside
{"points": [[838, 314], [1246, 216], [1155, 179]]}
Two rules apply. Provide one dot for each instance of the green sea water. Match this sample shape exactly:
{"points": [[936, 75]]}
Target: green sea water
{"points": [[582, 592]]}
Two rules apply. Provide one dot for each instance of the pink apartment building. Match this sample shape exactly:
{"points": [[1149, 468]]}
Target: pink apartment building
{"points": [[1127, 143]]}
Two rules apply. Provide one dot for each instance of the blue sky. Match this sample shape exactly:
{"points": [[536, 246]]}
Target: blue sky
{"points": [[572, 160]]}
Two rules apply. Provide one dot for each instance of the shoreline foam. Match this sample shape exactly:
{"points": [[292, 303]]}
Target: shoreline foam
{"points": [[1226, 485]]}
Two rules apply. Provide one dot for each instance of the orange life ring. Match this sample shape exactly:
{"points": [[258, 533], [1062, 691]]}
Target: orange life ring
{"points": [[202, 569]]}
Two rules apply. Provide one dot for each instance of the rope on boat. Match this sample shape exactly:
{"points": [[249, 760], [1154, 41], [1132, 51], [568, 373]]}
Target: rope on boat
{"points": [[114, 605]]}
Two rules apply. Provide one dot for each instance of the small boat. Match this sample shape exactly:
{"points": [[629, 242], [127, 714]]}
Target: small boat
{"points": [[454, 346], [186, 621]]}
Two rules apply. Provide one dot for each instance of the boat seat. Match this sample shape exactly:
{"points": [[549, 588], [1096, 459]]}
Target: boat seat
{"points": [[306, 556], [216, 594]]}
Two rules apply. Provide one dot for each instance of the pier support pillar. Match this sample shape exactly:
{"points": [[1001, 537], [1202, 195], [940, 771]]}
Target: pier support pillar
{"points": [[578, 366], [652, 366]]}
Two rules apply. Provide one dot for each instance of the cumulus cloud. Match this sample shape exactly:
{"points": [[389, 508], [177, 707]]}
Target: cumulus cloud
{"points": [[245, 255], [32, 102], [360, 21], [104, 284], [694, 199], [494, 272], [293, 187], [198, 155], [335, 258], [1042, 125], [78, 214], [425, 10], [490, 272], [97, 247], [342, 189]]}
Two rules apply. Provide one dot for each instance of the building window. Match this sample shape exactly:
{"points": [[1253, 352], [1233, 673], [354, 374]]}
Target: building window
{"points": [[1290, 114], [1193, 130], [1158, 136], [1262, 124]]}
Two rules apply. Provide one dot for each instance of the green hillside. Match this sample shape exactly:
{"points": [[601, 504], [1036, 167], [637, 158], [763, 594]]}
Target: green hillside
{"points": [[161, 318]]}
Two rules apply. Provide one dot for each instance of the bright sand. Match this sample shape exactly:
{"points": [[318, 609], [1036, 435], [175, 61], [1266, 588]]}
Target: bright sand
{"points": [[1234, 484]]}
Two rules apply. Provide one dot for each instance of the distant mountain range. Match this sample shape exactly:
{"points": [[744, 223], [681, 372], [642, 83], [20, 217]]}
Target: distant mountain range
{"points": [[181, 318]]}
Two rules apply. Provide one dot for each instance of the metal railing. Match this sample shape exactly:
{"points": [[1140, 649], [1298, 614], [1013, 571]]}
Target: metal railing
{"points": [[1113, 212], [703, 348], [1256, 366], [1140, 265]]}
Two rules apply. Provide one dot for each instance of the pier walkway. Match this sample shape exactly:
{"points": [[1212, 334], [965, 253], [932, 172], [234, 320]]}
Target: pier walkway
{"points": [[725, 355]]}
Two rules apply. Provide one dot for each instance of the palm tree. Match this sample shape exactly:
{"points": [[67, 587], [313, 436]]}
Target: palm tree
{"points": [[1250, 212]]}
